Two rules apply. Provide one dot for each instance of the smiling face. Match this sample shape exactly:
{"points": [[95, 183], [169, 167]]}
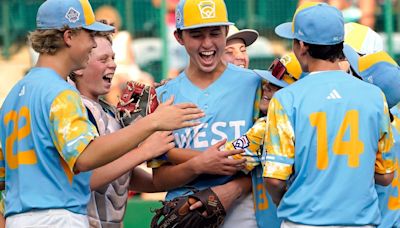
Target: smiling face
{"points": [[236, 53], [95, 79], [205, 47], [268, 91]]}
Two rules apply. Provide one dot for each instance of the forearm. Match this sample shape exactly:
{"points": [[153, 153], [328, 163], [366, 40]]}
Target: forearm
{"points": [[179, 155], [142, 181], [107, 148], [111, 171], [276, 188], [2, 185], [231, 191], [172, 176]]}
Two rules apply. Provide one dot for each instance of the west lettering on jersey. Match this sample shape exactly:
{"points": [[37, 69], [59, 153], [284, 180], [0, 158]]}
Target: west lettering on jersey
{"points": [[196, 137]]}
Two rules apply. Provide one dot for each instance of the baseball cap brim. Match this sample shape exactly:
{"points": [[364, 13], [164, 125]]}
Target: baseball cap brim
{"points": [[285, 30], [249, 36], [270, 78], [98, 26], [207, 25], [352, 57]]}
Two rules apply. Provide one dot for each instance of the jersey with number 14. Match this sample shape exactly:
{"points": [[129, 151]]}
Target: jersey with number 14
{"points": [[43, 128], [328, 134]]}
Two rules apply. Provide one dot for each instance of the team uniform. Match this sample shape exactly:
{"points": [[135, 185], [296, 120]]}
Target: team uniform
{"points": [[107, 204], [43, 131], [327, 142], [389, 196], [229, 110], [253, 144]]}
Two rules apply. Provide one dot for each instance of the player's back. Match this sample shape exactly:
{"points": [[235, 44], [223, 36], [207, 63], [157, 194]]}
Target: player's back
{"points": [[337, 121], [36, 176]]}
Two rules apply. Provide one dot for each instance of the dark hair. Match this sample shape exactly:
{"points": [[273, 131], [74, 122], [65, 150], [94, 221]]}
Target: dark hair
{"points": [[325, 52]]}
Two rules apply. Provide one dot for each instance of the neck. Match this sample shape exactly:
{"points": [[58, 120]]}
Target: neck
{"points": [[322, 65], [204, 79], [58, 62]]}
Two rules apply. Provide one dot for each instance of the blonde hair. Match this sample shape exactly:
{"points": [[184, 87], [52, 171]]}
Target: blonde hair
{"points": [[48, 41]]}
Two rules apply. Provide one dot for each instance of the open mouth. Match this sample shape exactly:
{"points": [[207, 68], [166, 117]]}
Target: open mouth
{"points": [[207, 56], [108, 78]]}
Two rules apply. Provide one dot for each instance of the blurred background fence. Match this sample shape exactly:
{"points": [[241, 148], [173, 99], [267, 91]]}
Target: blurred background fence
{"points": [[142, 20]]}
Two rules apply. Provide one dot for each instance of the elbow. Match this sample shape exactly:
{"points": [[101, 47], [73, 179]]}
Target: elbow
{"points": [[384, 179], [83, 165]]}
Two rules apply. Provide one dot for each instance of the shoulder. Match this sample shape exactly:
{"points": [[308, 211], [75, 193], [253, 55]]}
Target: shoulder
{"points": [[237, 71], [171, 86]]}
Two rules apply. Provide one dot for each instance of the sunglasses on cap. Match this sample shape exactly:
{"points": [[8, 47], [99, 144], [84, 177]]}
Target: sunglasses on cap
{"points": [[279, 71]]}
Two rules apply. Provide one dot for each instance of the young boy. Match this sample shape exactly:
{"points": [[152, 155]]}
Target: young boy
{"points": [[110, 183], [325, 143], [45, 132], [226, 93]]}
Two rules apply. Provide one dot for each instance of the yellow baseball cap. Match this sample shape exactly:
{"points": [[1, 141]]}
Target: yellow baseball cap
{"points": [[190, 14], [293, 68], [362, 39]]}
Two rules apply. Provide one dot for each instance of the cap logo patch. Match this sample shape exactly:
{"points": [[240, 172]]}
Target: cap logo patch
{"points": [[285, 60], [72, 15], [241, 143], [178, 16], [207, 9]]}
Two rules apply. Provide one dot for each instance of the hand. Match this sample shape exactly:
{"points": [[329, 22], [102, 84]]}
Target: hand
{"points": [[157, 144], [163, 82], [214, 161], [171, 117], [228, 193]]}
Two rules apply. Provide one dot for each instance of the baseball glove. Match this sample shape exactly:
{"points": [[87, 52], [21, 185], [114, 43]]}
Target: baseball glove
{"points": [[137, 100], [176, 213]]}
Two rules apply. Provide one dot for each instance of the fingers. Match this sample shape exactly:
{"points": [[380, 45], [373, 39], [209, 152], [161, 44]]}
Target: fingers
{"points": [[185, 105], [228, 153], [219, 144], [196, 205]]}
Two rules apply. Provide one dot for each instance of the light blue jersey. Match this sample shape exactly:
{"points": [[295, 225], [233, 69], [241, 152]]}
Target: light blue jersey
{"points": [[334, 133], [229, 107], [44, 128], [389, 196]]}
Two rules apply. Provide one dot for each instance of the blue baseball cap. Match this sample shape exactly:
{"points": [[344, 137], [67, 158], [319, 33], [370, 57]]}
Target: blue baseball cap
{"points": [[191, 14], [314, 23], [270, 78], [379, 69], [57, 14]]}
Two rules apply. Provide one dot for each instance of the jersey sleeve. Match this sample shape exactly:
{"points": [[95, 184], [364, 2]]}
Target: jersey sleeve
{"points": [[385, 156], [279, 143], [252, 143], [2, 166], [71, 129]]}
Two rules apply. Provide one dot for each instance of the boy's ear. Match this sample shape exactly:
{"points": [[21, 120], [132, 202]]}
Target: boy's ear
{"points": [[303, 48], [178, 37], [68, 34], [79, 72]]}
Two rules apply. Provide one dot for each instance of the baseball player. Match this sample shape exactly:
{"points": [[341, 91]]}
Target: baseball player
{"points": [[389, 196], [381, 70], [218, 88], [45, 132], [318, 141], [111, 182]]}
